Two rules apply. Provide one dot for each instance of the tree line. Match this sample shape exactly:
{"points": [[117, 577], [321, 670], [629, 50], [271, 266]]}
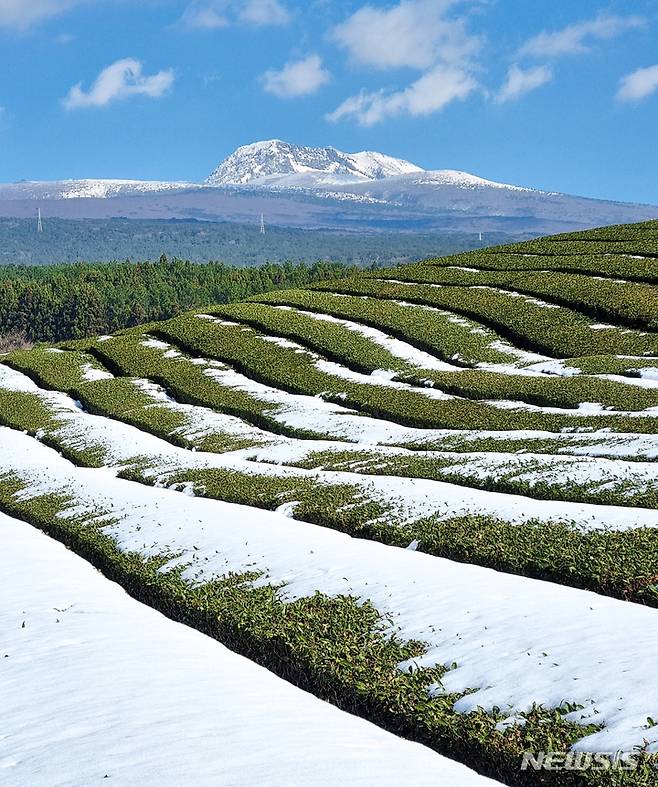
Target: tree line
{"points": [[58, 302]]}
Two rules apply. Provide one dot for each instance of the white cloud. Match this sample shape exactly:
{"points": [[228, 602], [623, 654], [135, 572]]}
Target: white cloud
{"points": [[118, 81], [199, 16], [419, 34], [299, 78], [213, 14], [577, 38], [263, 12], [414, 33], [523, 80], [431, 93], [23, 14], [639, 84]]}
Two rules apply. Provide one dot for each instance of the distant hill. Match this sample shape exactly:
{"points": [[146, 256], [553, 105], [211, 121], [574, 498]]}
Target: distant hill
{"points": [[324, 188]]}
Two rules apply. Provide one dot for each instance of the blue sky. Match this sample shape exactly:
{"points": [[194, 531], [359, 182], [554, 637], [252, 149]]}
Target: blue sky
{"points": [[549, 93]]}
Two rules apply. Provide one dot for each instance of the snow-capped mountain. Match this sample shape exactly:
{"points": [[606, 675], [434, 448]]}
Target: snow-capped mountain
{"points": [[277, 163], [298, 186]]}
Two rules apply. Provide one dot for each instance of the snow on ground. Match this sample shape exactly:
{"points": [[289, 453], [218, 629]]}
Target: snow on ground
{"points": [[90, 372], [385, 378], [512, 638], [96, 685], [311, 413], [405, 499], [381, 377], [402, 350], [498, 343], [623, 476], [648, 373], [202, 422]]}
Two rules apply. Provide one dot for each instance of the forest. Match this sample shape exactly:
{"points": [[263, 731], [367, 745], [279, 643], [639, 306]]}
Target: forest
{"points": [[107, 240], [57, 302]]}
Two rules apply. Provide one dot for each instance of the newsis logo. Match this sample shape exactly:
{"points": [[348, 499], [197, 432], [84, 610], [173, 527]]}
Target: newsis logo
{"points": [[578, 761]]}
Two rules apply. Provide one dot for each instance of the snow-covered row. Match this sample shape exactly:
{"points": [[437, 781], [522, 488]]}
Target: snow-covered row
{"points": [[97, 686], [402, 350], [405, 500], [202, 422], [299, 411], [198, 422], [312, 413], [545, 367], [497, 343], [512, 639], [385, 378], [623, 477]]}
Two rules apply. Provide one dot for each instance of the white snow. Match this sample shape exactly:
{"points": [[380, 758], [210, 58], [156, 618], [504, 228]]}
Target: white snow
{"points": [[452, 177], [402, 350], [277, 163], [515, 641], [534, 468], [405, 500], [91, 373], [385, 378], [201, 422], [89, 188], [96, 686]]}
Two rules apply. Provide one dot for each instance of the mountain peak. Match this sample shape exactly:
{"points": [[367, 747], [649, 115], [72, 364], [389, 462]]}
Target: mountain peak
{"points": [[275, 162]]}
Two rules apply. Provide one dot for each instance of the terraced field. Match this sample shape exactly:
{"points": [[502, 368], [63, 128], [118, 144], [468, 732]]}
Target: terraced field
{"points": [[428, 495]]}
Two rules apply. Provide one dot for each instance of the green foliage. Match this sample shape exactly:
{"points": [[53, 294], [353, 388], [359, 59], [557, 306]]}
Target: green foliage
{"points": [[54, 367], [131, 359], [555, 331], [622, 564], [517, 258], [450, 338], [632, 304], [336, 647], [508, 479]]}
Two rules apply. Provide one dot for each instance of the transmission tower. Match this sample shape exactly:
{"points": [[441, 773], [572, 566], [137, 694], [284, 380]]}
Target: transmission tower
{"points": [[39, 222], [262, 224]]}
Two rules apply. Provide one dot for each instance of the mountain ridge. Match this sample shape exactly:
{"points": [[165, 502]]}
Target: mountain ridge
{"points": [[325, 188], [272, 159]]}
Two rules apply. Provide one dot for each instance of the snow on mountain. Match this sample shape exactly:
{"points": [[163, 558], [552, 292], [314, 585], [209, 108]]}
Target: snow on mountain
{"points": [[453, 177], [86, 188], [272, 164], [298, 186], [278, 163]]}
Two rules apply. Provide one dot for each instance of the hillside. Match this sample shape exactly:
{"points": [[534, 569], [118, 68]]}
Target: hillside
{"points": [[426, 494]]}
